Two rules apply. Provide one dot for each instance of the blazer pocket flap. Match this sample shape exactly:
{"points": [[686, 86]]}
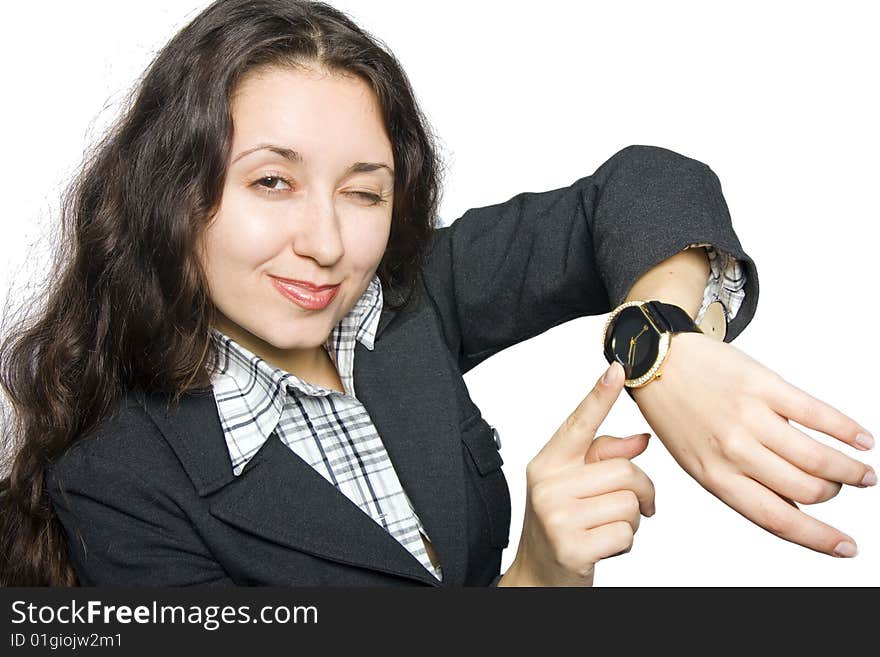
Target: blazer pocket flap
{"points": [[478, 437]]}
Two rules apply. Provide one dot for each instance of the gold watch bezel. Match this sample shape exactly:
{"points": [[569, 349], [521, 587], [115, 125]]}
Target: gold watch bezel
{"points": [[662, 347]]}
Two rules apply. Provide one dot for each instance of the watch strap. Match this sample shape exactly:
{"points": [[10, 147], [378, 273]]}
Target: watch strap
{"points": [[671, 318]]}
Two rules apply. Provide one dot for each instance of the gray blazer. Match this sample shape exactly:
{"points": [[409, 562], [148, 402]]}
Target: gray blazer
{"points": [[149, 498]]}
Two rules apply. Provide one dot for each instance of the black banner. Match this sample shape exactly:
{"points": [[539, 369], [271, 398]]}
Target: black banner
{"points": [[238, 621]]}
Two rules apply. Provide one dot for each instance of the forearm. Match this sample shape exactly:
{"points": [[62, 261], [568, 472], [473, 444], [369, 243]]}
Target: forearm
{"points": [[516, 576], [679, 280]]}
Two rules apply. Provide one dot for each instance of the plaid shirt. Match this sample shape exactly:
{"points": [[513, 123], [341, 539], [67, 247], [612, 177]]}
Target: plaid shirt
{"points": [[727, 280], [332, 431]]}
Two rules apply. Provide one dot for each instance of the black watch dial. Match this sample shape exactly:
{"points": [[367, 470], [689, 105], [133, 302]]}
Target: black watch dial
{"points": [[633, 341]]}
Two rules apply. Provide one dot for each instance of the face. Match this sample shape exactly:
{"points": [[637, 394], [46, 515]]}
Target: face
{"points": [[308, 197]]}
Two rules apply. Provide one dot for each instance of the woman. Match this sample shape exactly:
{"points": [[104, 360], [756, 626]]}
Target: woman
{"points": [[191, 406]]}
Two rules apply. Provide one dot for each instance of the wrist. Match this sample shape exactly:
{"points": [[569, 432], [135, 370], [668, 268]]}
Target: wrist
{"points": [[517, 575], [679, 280], [521, 576], [639, 334]]}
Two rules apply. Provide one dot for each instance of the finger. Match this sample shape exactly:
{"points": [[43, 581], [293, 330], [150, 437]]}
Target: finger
{"points": [[609, 447], [603, 509], [572, 440], [793, 403], [766, 509], [607, 541], [811, 456], [777, 474], [594, 479]]}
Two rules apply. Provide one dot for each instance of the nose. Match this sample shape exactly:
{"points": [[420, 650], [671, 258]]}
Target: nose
{"points": [[318, 234]]}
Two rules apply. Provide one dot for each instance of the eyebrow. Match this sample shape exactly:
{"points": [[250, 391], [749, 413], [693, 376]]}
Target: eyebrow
{"points": [[295, 156]]}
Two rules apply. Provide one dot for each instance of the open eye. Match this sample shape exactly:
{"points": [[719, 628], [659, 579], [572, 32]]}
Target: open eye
{"points": [[269, 183]]}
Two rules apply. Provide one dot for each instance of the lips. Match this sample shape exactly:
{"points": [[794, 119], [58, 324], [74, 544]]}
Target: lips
{"points": [[305, 284], [304, 294]]}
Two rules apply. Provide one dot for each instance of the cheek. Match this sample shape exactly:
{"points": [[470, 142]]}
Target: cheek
{"points": [[240, 239], [367, 241]]}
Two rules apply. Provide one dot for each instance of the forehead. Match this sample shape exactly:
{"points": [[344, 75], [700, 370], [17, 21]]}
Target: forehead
{"points": [[314, 112]]}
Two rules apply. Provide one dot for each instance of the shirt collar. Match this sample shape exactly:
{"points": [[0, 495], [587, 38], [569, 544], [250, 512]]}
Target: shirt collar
{"points": [[250, 393], [361, 321]]}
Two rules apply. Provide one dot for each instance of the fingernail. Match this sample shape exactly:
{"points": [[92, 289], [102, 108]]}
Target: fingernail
{"points": [[870, 478], [610, 375], [866, 440], [636, 435], [845, 549]]}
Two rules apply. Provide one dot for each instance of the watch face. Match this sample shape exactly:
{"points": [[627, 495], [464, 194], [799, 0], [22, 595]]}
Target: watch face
{"points": [[633, 341]]}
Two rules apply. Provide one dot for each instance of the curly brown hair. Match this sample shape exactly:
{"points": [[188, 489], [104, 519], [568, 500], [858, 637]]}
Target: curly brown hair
{"points": [[128, 305]]}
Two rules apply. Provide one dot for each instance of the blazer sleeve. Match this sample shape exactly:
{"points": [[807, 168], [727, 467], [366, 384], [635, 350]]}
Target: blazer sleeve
{"points": [[122, 531], [504, 273]]}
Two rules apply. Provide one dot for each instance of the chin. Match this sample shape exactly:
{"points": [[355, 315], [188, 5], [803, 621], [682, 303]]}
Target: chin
{"points": [[294, 339]]}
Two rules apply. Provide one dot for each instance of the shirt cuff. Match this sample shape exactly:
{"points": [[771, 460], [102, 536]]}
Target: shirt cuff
{"points": [[726, 283]]}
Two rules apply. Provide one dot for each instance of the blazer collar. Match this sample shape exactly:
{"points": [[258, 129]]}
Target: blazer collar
{"points": [[278, 496]]}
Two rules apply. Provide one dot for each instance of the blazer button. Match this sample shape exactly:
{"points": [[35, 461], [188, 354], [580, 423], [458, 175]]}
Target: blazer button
{"points": [[496, 437]]}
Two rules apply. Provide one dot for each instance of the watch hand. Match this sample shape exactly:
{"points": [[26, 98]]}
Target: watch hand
{"points": [[632, 344]]}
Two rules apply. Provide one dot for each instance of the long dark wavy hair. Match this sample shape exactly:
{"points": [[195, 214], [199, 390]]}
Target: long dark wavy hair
{"points": [[128, 303]]}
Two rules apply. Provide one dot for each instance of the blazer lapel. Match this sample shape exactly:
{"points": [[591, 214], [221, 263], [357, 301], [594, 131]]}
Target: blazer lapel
{"points": [[280, 497], [406, 387]]}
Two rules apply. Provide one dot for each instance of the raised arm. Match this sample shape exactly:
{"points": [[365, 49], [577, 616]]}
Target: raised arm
{"points": [[504, 273]]}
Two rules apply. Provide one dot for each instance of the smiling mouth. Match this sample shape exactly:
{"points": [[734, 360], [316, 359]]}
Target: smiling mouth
{"points": [[304, 284], [306, 297]]}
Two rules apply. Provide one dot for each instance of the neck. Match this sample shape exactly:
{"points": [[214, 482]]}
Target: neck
{"points": [[309, 364]]}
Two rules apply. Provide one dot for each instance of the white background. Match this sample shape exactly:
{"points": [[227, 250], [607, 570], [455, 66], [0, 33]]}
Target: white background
{"points": [[779, 99]]}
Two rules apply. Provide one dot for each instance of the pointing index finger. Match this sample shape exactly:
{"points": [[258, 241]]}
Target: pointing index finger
{"points": [[573, 438]]}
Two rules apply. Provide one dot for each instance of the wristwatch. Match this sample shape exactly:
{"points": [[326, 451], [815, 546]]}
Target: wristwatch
{"points": [[638, 335]]}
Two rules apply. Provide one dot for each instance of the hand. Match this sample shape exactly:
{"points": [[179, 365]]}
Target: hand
{"points": [[724, 417], [583, 499]]}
